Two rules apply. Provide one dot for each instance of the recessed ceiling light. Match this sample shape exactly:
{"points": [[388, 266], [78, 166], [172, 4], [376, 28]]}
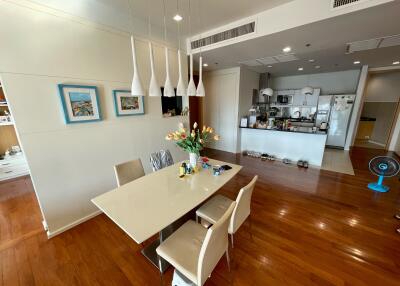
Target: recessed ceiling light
{"points": [[205, 65], [178, 18], [317, 67], [311, 60], [357, 62], [287, 49], [300, 69], [269, 66], [396, 63]]}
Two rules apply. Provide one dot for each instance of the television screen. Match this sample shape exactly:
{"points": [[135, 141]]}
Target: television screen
{"points": [[171, 106]]}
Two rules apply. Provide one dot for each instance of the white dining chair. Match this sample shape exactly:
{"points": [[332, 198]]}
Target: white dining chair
{"points": [[128, 171], [161, 159], [194, 251], [212, 210]]}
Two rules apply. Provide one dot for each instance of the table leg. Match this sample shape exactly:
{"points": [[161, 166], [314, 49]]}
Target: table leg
{"points": [[150, 250]]}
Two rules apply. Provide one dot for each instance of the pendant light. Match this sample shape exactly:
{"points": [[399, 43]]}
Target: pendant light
{"points": [[191, 91], [180, 88], [154, 88], [200, 87], [168, 88], [136, 88]]}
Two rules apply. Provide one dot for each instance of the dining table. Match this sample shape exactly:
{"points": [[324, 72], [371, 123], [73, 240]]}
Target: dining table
{"points": [[154, 204]]}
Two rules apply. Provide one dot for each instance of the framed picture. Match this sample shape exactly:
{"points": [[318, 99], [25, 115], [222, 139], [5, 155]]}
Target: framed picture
{"points": [[80, 103], [126, 104]]}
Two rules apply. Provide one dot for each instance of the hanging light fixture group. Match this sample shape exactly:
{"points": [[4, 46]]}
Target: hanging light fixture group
{"points": [[169, 91]]}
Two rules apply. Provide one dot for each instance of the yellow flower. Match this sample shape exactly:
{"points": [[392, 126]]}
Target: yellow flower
{"points": [[211, 130], [204, 128], [201, 141], [195, 125], [176, 137], [168, 137], [216, 137], [208, 129], [177, 133], [193, 133], [182, 130]]}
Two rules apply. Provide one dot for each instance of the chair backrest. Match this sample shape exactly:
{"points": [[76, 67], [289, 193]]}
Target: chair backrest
{"points": [[214, 246], [161, 159], [242, 209], [128, 171]]}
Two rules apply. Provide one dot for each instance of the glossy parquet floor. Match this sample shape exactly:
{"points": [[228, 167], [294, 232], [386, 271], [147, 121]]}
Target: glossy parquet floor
{"points": [[310, 227]]}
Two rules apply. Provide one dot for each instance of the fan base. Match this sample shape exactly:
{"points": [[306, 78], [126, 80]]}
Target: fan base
{"points": [[378, 187]]}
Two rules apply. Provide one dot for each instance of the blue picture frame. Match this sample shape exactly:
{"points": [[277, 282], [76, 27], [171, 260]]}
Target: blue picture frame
{"points": [[128, 110], [80, 103]]}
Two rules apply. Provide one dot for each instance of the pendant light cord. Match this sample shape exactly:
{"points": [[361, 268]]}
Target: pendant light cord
{"points": [[190, 26], [179, 26], [149, 19], [165, 23], [130, 11]]}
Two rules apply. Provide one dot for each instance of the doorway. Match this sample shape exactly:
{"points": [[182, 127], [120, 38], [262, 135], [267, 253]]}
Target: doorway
{"points": [[12, 160], [380, 110]]}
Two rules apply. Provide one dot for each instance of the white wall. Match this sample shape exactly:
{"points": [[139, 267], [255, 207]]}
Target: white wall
{"points": [[71, 164], [220, 106], [383, 87], [343, 82]]}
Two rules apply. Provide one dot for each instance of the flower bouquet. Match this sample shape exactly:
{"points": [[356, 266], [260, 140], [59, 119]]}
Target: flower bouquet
{"points": [[192, 141]]}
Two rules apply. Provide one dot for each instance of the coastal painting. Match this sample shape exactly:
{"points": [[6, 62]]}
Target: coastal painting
{"points": [[80, 103], [127, 104]]}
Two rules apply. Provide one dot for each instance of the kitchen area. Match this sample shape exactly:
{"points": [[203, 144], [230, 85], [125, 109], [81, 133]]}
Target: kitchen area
{"points": [[296, 124]]}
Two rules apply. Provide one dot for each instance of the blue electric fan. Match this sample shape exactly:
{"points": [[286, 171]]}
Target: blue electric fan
{"points": [[383, 166]]}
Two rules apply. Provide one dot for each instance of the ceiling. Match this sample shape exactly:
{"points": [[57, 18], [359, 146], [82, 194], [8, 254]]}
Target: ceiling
{"points": [[328, 40], [116, 13]]}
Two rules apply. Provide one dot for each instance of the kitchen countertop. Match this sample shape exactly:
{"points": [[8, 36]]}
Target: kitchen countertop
{"points": [[277, 130]]}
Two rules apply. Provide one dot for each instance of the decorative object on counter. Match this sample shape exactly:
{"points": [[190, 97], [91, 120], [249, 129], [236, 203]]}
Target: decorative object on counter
{"points": [[194, 141], [80, 103], [217, 170], [243, 122], [126, 104], [13, 150]]}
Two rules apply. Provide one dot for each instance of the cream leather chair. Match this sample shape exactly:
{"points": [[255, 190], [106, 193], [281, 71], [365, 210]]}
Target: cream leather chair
{"points": [[194, 251], [128, 171], [212, 210]]}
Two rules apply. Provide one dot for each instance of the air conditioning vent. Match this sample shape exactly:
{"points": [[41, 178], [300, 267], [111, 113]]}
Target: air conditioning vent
{"points": [[223, 36], [383, 42], [342, 3]]}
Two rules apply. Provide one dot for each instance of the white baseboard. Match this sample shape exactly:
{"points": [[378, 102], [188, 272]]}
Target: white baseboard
{"points": [[51, 234], [376, 143]]}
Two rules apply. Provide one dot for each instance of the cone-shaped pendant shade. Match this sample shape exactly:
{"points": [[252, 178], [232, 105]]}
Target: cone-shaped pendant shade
{"points": [[181, 88], [154, 88], [136, 88], [168, 88], [200, 87], [191, 91]]}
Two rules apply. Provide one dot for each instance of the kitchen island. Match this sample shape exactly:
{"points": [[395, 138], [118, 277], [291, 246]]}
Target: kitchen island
{"points": [[293, 145]]}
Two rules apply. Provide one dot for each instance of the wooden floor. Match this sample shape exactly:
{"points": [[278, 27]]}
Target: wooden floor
{"points": [[310, 227]]}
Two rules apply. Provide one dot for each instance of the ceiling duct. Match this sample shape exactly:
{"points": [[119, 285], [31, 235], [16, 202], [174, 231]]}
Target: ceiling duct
{"points": [[224, 36], [336, 4]]}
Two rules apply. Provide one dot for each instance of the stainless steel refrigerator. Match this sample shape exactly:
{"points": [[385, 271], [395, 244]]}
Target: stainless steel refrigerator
{"points": [[339, 120]]}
